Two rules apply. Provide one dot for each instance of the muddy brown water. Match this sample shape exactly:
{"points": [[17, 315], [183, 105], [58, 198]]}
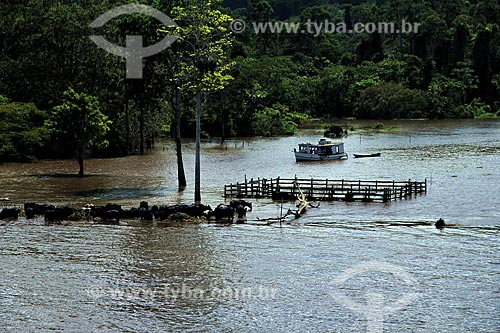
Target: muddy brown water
{"points": [[150, 277]]}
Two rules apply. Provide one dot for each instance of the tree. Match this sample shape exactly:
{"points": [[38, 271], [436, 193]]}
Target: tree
{"points": [[324, 45], [22, 134], [42, 41], [488, 11], [482, 61], [389, 101], [174, 81], [371, 49], [175, 102], [261, 11], [461, 37], [468, 81], [206, 43], [80, 123], [276, 120]]}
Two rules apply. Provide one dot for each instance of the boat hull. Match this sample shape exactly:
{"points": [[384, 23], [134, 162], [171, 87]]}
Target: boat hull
{"points": [[304, 157], [367, 155]]}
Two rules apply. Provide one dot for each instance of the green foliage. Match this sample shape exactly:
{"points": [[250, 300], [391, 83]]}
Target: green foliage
{"points": [[22, 134], [276, 120], [297, 118], [475, 109], [389, 101], [4, 100], [206, 38], [446, 65], [335, 131], [449, 69], [79, 121]]}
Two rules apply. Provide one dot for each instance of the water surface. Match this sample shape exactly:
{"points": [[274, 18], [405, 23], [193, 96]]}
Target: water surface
{"points": [[143, 277]]}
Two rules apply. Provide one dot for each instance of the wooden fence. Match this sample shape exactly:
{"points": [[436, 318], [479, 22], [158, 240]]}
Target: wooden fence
{"points": [[326, 189]]}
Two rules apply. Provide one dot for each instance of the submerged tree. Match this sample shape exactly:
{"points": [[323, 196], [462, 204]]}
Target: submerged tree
{"points": [[173, 96], [80, 123], [205, 41]]}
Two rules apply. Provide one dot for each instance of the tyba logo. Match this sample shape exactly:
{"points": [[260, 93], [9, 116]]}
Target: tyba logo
{"points": [[376, 308], [134, 51]]}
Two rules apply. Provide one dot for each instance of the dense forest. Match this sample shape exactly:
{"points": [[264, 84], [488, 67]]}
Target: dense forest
{"points": [[60, 93]]}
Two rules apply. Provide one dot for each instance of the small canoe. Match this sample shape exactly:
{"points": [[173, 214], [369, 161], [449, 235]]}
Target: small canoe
{"points": [[367, 155]]}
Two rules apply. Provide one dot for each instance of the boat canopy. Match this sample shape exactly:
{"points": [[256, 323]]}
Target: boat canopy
{"points": [[324, 147]]}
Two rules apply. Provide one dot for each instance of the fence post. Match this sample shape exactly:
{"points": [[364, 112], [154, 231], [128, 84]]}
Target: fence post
{"points": [[312, 188]]}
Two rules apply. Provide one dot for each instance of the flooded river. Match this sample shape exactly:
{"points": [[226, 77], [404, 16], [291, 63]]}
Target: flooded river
{"points": [[344, 267]]}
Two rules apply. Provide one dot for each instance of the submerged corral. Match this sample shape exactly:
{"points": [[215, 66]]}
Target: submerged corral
{"points": [[326, 189]]}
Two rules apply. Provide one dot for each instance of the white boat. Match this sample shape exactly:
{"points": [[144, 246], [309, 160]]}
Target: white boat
{"points": [[323, 151]]}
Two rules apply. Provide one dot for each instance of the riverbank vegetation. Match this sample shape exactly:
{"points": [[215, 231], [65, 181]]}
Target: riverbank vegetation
{"points": [[274, 83]]}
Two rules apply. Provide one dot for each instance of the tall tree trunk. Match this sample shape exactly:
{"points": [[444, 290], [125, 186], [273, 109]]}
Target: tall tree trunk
{"points": [[80, 157], [197, 169], [127, 119], [223, 120], [181, 175], [223, 134], [141, 132]]}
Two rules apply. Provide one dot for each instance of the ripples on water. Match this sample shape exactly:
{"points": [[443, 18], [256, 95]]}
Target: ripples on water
{"points": [[141, 277]]}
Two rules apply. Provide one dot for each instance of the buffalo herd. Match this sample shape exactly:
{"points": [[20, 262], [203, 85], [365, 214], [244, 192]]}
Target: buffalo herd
{"points": [[113, 213]]}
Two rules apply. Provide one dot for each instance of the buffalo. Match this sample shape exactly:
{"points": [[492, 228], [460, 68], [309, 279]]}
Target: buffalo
{"points": [[194, 210], [111, 213], [32, 209], [9, 213], [440, 224], [59, 214], [164, 212], [222, 213], [142, 212], [137, 213], [111, 217], [237, 203], [241, 211], [197, 210]]}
